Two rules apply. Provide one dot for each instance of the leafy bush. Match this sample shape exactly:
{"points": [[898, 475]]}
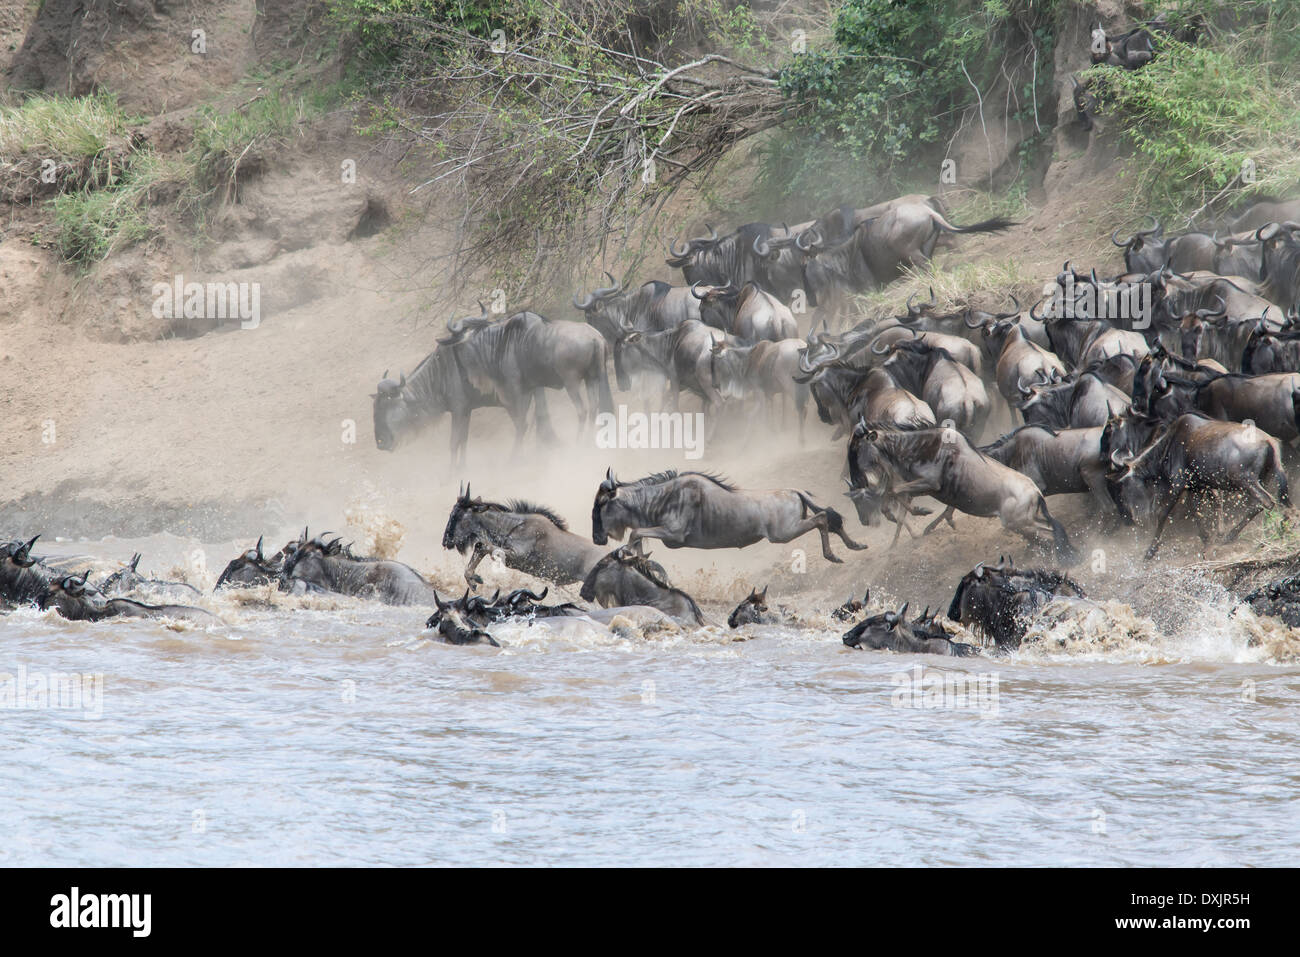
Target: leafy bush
{"points": [[1209, 122], [892, 87]]}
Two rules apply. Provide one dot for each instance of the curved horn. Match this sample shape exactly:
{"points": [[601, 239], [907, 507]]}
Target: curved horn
{"points": [[695, 292], [762, 247], [259, 548]]}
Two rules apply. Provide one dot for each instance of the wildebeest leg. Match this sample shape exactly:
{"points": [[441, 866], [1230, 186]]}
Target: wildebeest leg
{"points": [[1262, 501], [545, 433], [1175, 498], [575, 396], [480, 552], [945, 517]]}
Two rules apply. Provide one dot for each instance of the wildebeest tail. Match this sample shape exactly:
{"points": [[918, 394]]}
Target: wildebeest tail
{"points": [[834, 520], [994, 225]]}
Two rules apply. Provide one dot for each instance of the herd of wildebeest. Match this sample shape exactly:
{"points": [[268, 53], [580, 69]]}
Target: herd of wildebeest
{"points": [[1174, 381], [1193, 400]]}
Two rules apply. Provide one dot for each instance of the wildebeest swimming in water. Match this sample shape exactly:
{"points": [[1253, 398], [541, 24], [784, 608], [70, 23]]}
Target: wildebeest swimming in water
{"points": [[75, 600], [465, 620], [627, 577], [128, 579], [253, 568], [892, 631], [1278, 599], [24, 579], [852, 607], [530, 538], [1001, 602], [754, 611], [697, 510], [332, 567]]}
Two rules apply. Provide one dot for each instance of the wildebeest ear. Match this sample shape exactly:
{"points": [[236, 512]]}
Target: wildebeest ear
{"points": [[902, 612], [762, 596]]}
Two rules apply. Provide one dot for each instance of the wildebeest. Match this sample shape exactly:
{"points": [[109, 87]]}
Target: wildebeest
{"points": [[1271, 402], [768, 370], [1280, 262], [686, 356], [1268, 351], [1059, 462], [954, 392], [1018, 359], [696, 510], [1195, 455], [879, 249], [528, 538], [651, 307], [1278, 599], [747, 312], [252, 568], [943, 464], [330, 566], [75, 600], [1238, 256], [753, 610], [1076, 403], [852, 607], [1264, 211], [128, 579], [1001, 602], [1146, 251], [484, 363], [626, 576], [24, 578], [845, 393], [892, 631]]}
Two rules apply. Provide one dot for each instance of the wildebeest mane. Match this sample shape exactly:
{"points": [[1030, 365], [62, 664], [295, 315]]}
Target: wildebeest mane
{"points": [[658, 478], [532, 508]]}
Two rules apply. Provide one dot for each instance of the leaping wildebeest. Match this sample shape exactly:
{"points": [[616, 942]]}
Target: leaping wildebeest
{"points": [[943, 464], [529, 538], [697, 510]]}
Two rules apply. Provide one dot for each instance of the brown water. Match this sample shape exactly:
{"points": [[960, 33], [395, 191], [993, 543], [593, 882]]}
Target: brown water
{"points": [[329, 731]]}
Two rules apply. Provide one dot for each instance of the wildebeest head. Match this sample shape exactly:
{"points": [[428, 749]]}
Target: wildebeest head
{"points": [[717, 304], [852, 607], [868, 475], [751, 611], [1132, 487], [250, 568], [610, 516], [453, 621], [23, 578], [462, 531], [393, 418], [1146, 250], [605, 308], [875, 632], [124, 579], [69, 595]]}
